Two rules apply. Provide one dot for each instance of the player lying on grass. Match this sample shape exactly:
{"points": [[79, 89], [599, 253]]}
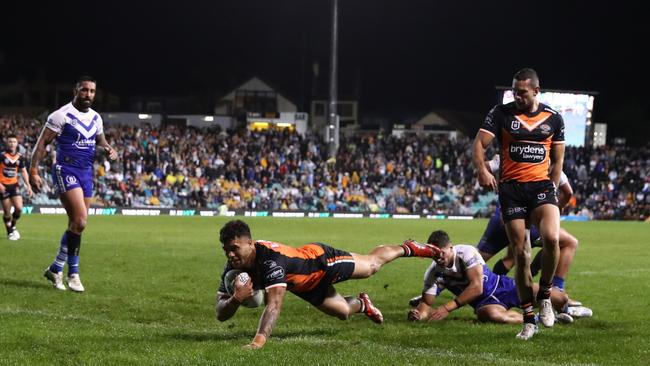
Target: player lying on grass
{"points": [[308, 271], [461, 270]]}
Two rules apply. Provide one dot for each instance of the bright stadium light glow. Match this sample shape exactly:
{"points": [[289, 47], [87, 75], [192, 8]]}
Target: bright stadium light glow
{"points": [[283, 124], [208, 118], [144, 116]]}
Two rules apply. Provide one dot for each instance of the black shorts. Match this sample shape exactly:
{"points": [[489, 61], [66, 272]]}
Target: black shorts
{"points": [[11, 190], [518, 200], [339, 267]]}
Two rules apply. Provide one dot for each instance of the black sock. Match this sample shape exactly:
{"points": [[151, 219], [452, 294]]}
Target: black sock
{"points": [[499, 268], [544, 292], [7, 220]]}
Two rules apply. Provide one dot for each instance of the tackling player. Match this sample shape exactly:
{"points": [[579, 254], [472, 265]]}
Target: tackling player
{"points": [[461, 270]]}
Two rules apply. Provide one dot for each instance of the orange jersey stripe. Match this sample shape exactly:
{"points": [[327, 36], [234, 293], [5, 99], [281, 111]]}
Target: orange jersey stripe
{"points": [[305, 282], [309, 251]]}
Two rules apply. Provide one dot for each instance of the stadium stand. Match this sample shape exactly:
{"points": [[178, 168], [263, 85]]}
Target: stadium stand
{"points": [[186, 167]]}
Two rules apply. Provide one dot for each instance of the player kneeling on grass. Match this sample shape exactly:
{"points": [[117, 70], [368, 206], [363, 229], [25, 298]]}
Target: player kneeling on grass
{"points": [[461, 270], [308, 271]]}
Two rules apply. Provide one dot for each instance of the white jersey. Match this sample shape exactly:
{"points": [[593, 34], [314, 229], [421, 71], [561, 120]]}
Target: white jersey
{"points": [[76, 135], [454, 278], [495, 163]]}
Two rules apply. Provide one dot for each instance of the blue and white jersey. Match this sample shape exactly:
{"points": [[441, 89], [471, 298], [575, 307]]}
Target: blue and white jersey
{"points": [[76, 134], [454, 278]]}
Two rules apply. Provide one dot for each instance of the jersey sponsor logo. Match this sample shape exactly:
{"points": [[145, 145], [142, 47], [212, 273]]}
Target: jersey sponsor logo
{"points": [[526, 152], [541, 196], [275, 273], [513, 210], [84, 143]]}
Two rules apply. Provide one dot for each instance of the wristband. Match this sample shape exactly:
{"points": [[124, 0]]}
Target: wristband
{"points": [[458, 304], [259, 340]]}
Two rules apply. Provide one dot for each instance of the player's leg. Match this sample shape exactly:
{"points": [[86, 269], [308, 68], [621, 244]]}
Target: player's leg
{"points": [[6, 213], [369, 264], [568, 247], [505, 264], [494, 239], [17, 203], [547, 218], [499, 314], [342, 307], [76, 206], [518, 233]]}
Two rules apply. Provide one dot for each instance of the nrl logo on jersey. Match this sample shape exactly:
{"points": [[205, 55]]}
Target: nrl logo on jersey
{"points": [[515, 125]]}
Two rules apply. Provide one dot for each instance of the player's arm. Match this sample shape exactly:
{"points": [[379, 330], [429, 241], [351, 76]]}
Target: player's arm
{"points": [[423, 310], [557, 161], [565, 191], [481, 143], [46, 137], [23, 173], [274, 300], [227, 305], [101, 141], [473, 290]]}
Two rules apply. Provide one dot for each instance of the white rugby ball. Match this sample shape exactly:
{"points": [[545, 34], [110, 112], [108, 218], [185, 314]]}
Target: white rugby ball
{"points": [[236, 275]]}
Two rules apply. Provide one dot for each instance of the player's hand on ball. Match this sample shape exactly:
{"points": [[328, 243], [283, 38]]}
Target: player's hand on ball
{"points": [[243, 287], [439, 313], [413, 315]]}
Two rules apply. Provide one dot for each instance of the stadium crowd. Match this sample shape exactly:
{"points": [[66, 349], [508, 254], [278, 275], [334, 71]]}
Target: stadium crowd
{"points": [[173, 166]]}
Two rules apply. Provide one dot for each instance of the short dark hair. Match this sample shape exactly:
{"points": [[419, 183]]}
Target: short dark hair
{"points": [[439, 238], [525, 74], [83, 78], [233, 229], [11, 135]]}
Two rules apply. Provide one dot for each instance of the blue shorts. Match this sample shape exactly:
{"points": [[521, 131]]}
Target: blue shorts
{"points": [[504, 294], [495, 238], [66, 178]]}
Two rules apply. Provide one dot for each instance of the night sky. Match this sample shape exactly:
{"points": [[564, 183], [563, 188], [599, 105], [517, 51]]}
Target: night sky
{"points": [[396, 57]]}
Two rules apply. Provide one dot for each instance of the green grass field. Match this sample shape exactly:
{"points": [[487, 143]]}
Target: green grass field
{"points": [[151, 283]]}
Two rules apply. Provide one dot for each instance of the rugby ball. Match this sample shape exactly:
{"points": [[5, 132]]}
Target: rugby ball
{"points": [[236, 275]]}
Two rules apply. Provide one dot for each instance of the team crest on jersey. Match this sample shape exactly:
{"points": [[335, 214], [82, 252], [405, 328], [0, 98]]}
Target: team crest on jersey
{"points": [[73, 122], [515, 125], [541, 196], [70, 179]]}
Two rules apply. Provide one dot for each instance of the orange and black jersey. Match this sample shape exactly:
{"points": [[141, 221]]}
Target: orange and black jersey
{"points": [[300, 269], [525, 140], [9, 167]]}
